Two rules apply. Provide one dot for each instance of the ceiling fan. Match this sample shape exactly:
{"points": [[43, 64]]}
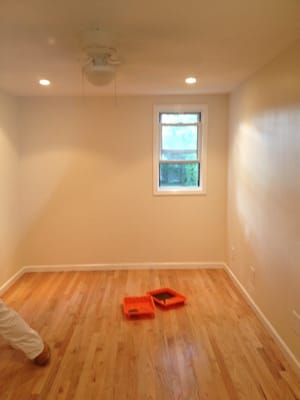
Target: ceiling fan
{"points": [[102, 56]]}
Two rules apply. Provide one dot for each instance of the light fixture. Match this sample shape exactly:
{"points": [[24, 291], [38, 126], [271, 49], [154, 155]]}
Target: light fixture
{"points": [[101, 52], [44, 82], [51, 41], [99, 75], [191, 80]]}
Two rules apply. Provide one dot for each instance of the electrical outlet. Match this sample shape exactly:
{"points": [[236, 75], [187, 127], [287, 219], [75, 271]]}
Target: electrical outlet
{"points": [[296, 322]]}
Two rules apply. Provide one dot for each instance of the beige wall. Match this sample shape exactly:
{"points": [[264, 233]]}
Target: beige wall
{"points": [[264, 190], [9, 189], [86, 169]]}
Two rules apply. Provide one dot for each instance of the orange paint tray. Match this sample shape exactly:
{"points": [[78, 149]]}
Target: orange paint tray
{"points": [[141, 306], [167, 297]]}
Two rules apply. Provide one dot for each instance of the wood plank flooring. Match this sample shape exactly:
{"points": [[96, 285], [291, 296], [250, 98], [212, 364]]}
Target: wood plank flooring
{"points": [[212, 348]]}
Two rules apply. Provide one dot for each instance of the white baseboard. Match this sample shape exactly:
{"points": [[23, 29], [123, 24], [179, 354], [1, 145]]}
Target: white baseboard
{"points": [[108, 267], [11, 281], [281, 343], [123, 266]]}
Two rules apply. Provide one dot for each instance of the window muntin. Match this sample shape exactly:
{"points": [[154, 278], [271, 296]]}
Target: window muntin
{"points": [[179, 149]]}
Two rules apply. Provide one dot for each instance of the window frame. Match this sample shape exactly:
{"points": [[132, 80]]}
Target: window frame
{"points": [[202, 109]]}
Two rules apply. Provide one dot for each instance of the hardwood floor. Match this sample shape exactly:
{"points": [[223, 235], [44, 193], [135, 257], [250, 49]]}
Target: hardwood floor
{"points": [[212, 348]]}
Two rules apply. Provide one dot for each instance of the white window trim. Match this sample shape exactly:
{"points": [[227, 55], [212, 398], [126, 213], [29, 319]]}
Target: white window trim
{"points": [[201, 108]]}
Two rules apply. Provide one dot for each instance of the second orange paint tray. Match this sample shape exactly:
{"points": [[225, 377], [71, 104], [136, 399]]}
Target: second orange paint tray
{"points": [[141, 306], [166, 297]]}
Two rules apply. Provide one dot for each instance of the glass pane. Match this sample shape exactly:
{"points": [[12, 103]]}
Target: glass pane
{"points": [[179, 142], [179, 175], [179, 118]]}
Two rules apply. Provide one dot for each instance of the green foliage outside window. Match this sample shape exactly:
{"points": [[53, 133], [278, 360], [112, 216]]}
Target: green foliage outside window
{"points": [[172, 175], [179, 142]]}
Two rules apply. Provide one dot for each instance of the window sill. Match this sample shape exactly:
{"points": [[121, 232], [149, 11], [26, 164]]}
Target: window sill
{"points": [[179, 192]]}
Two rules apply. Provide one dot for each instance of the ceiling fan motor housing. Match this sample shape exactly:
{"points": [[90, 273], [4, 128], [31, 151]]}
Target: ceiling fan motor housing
{"points": [[97, 42]]}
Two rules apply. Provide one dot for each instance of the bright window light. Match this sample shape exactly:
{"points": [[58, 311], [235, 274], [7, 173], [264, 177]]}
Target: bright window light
{"points": [[190, 80], [44, 82], [179, 149]]}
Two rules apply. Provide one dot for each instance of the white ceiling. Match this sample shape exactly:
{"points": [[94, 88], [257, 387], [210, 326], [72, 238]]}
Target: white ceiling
{"points": [[221, 42]]}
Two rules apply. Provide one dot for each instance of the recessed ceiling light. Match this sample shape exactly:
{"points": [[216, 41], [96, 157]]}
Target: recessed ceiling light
{"points": [[51, 41], [44, 82], [190, 80]]}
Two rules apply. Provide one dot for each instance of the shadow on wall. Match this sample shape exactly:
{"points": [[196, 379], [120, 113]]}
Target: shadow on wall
{"points": [[92, 125], [9, 187]]}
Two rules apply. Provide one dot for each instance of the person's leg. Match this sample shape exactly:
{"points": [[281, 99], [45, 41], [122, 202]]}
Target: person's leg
{"points": [[21, 336]]}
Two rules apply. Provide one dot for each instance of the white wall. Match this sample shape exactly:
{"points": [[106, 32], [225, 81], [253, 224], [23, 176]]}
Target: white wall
{"points": [[9, 188], [264, 190], [87, 185]]}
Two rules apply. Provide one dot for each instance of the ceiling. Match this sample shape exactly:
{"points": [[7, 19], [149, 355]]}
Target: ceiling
{"points": [[221, 42]]}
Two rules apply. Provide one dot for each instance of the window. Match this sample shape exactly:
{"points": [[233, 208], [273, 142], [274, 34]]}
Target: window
{"points": [[179, 151]]}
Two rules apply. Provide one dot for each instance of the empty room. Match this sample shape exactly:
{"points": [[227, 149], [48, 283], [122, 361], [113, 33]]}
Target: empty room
{"points": [[150, 200]]}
